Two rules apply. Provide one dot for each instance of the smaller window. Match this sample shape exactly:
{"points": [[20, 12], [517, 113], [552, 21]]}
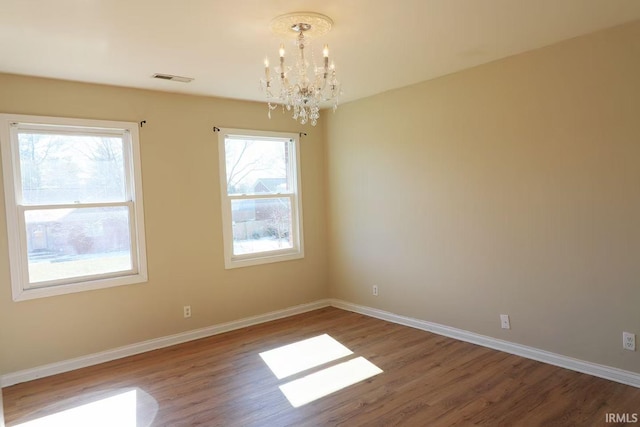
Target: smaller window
{"points": [[260, 187], [73, 198]]}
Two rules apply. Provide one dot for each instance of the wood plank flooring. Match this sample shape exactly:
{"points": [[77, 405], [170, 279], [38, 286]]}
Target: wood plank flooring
{"points": [[427, 380]]}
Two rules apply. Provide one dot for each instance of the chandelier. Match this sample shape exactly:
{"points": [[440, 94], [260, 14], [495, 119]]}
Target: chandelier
{"points": [[305, 86]]}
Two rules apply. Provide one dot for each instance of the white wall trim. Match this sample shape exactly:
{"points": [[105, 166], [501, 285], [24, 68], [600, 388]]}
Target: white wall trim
{"points": [[154, 344], [602, 371], [597, 370]]}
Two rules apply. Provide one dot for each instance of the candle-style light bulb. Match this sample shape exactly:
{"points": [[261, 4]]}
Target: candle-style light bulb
{"points": [[266, 69], [281, 51], [325, 53]]}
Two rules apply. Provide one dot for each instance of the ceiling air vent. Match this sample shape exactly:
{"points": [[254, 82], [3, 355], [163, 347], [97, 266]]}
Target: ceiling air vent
{"points": [[172, 78]]}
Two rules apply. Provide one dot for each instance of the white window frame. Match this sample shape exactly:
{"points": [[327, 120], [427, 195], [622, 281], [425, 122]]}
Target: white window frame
{"points": [[295, 252], [15, 210]]}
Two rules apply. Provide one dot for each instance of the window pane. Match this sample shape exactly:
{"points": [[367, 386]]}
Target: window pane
{"points": [[68, 243], [71, 168], [257, 166], [261, 225]]}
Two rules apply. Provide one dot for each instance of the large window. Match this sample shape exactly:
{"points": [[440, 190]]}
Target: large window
{"points": [[73, 198], [261, 207]]}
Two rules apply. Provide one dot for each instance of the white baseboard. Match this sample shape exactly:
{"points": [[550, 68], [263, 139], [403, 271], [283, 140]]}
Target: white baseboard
{"points": [[602, 371], [154, 344], [607, 372]]}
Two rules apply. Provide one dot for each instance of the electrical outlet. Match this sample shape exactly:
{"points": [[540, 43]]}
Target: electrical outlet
{"points": [[504, 321], [187, 311], [629, 341], [375, 290]]}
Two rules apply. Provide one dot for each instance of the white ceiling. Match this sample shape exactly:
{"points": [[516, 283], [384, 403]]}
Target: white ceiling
{"points": [[377, 45]]}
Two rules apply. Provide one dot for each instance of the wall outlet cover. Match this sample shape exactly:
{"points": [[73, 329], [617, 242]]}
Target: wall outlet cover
{"points": [[504, 321], [629, 341]]}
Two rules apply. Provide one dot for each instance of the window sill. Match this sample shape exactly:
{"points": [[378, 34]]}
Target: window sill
{"points": [[260, 259], [44, 292]]}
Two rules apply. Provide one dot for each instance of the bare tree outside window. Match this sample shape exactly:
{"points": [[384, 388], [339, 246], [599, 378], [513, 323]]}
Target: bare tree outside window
{"points": [[74, 205], [73, 169], [261, 187]]}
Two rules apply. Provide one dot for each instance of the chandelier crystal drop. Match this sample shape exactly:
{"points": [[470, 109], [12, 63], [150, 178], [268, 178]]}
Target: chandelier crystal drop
{"points": [[304, 87]]}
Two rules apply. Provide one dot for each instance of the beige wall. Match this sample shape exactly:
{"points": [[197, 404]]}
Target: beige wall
{"points": [[183, 228], [513, 187]]}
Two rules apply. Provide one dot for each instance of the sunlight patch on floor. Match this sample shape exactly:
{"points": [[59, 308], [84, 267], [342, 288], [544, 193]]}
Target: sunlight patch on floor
{"points": [[307, 354], [302, 355], [118, 410], [329, 380]]}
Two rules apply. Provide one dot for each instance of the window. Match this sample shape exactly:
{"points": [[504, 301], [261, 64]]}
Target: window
{"points": [[260, 187], [73, 198]]}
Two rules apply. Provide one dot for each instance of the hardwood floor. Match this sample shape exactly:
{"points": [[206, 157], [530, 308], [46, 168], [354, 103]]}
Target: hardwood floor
{"points": [[427, 380]]}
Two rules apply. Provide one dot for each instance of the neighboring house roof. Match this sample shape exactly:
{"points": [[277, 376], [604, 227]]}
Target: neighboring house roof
{"points": [[270, 185]]}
